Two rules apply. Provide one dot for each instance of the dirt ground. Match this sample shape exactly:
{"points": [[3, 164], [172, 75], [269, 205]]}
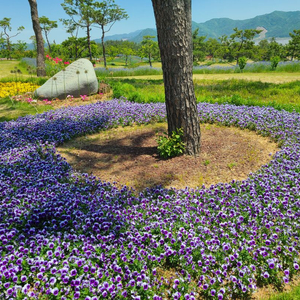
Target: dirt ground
{"points": [[128, 156]]}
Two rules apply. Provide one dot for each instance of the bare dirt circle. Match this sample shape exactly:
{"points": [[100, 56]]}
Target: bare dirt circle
{"points": [[128, 156]]}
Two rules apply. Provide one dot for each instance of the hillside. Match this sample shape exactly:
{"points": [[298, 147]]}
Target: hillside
{"points": [[277, 24]]}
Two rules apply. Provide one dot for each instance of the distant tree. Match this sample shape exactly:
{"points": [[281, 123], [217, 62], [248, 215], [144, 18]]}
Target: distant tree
{"points": [[33, 41], [174, 29], [276, 49], [149, 49], [223, 51], [71, 27], [74, 48], [212, 46], [80, 12], [112, 51], [198, 46], [3, 52], [19, 49], [124, 47], [106, 13], [6, 27], [41, 70], [262, 50], [46, 26], [127, 49], [293, 47], [241, 43]]}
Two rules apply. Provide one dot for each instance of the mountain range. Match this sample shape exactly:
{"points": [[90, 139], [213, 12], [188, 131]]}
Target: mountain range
{"points": [[277, 24]]}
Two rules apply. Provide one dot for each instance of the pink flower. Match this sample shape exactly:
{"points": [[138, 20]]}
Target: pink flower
{"points": [[29, 100], [47, 101], [66, 63], [83, 97]]}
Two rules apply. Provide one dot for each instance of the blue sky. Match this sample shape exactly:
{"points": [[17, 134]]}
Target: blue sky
{"points": [[140, 13]]}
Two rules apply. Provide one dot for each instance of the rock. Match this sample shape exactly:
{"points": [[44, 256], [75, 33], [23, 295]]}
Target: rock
{"points": [[79, 78]]}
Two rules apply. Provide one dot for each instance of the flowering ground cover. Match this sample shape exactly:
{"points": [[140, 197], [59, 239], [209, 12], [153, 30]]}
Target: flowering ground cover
{"points": [[72, 236], [16, 87]]}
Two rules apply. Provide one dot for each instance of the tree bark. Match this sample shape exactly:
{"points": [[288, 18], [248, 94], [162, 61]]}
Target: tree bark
{"points": [[103, 46], [49, 46], [88, 29], [40, 60], [174, 30]]}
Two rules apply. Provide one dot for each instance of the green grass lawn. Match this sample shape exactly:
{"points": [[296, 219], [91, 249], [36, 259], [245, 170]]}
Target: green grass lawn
{"points": [[11, 110], [7, 68], [263, 77]]}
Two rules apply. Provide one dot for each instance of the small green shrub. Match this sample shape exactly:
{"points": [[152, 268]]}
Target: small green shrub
{"points": [[171, 146], [274, 62], [242, 63]]}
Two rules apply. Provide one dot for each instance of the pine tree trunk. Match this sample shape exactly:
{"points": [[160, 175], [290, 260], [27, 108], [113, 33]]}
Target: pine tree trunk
{"points": [[88, 29], [40, 60], [103, 46], [174, 29]]}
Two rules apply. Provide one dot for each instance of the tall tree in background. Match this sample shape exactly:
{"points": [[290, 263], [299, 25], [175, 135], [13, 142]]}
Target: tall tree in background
{"points": [[199, 46], [149, 49], [46, 26], [106, 14], [241, 43], [40, 60], [5, 25], [174, 29], [293, 47], [83, 10]]}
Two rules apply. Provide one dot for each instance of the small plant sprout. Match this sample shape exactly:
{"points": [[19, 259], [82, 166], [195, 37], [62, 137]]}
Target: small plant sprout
{"points": [[171, 146], [206, 162]]}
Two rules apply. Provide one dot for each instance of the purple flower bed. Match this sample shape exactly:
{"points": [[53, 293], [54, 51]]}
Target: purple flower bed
{"points": [[72, 236]]}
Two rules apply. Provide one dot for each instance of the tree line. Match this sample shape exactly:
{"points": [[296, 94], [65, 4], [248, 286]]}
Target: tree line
{"points": [[87, 13]]}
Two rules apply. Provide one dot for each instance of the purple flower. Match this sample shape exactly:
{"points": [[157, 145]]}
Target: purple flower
{"points": [[52, 280], [10, 291], [271, 265], [73, 272], [145, 286], [132, 282], [77, 295], [6, 285], [104, 294], [55, 291], [286, 272], [85, 268]]}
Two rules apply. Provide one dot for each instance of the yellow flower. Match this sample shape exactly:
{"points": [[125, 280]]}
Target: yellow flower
{"points": [[16, 88]]}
